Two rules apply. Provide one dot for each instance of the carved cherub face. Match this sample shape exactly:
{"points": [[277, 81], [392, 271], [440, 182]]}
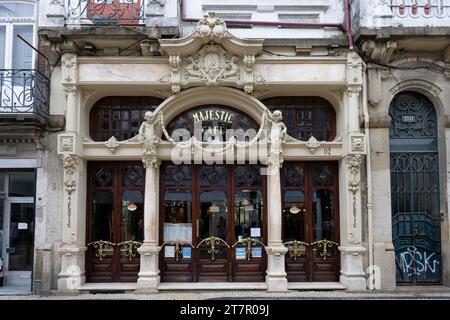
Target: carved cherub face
{"points": [[277, 116], [149, 116]]}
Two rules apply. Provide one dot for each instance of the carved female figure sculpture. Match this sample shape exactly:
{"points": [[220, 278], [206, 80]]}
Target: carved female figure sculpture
{"points": [[147, 134], [277, 133]]}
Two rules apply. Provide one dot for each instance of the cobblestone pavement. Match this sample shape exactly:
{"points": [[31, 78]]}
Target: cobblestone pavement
{"points": [[441, 294]]}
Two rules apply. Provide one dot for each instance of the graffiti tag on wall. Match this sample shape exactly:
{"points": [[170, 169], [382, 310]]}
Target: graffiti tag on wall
{"points": [[414, 262]]}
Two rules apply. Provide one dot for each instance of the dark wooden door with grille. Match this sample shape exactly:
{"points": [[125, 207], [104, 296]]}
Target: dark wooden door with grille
{"points": [[212, 223], [115, 221], [311, 221]]}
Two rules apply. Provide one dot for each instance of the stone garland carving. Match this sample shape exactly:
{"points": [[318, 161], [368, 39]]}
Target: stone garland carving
{"points": [[353, 162], [70, 163], [312, 144], [69, 65], [112, 144]]}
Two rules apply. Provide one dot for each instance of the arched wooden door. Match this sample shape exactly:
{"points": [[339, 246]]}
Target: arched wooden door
{"points": [[415, 189]]}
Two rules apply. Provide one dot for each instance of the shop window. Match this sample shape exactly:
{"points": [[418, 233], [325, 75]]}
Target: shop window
{"points": [[306, 116], [120, 117]]}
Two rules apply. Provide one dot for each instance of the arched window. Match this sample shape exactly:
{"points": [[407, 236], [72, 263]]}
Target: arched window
{"points": [[306, 116], [120, 117]]}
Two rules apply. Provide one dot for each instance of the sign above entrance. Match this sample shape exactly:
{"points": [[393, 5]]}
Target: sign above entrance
{"points": [[212, 123]]}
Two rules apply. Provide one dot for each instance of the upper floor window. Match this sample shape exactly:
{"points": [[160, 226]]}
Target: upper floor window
{"points": [[120, 117], [306, 116], [16, 18]]}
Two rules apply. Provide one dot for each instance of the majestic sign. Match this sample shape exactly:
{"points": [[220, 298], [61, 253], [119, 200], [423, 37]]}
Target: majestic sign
{"points": [[212, 122]]}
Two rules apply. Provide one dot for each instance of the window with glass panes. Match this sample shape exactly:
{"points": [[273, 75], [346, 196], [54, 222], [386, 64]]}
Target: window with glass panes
{"points": [[306, 116], [120, 117]]}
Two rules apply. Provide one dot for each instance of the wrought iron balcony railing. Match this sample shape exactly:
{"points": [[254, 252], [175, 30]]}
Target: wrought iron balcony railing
{"points": [[24, 91], [421, 9], [107, 12]]}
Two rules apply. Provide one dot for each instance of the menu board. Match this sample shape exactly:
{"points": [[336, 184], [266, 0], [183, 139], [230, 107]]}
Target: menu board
{"points": [[178, 231]]}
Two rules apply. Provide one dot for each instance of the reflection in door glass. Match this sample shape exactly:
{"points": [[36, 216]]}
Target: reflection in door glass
{"points": [[21, 237], [322, 201], [248, 215], [294, 213], [132, 224], [214, 215], [177, 208], [213, 220], [102, 216]]}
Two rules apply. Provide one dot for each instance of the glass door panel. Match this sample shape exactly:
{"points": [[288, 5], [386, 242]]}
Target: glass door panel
{"points": [[177, 210], [21, 237], [294, 215]]}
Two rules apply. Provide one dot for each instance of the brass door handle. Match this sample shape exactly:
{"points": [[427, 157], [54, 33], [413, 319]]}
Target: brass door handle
{"points": [[198, 228]]}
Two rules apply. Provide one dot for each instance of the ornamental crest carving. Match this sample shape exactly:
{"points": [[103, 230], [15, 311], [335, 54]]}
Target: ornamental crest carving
{"points": [[211, 55], [212, 64]]}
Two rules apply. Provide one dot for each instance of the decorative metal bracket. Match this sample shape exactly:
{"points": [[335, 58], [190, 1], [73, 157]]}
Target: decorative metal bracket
{"points": [[248, 243], [130, 246], [100, 246], [212, 242], [325, 244], [295, 248], [178, 246]]}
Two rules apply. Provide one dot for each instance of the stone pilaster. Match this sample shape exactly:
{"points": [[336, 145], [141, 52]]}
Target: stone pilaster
{"points": [[72, 251], [149, 277], [352, 248], [276, 251]]}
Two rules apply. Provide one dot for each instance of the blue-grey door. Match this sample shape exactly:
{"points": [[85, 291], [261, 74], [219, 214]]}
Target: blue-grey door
{"points": [[415, 189]]}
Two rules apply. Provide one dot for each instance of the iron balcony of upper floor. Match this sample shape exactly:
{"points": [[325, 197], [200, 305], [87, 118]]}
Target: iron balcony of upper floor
{"points": [[107, 12], [24, 97], [400, 17]]}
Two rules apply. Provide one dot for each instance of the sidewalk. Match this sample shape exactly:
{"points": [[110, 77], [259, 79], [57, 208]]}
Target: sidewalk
{"points": [[425, 293]]}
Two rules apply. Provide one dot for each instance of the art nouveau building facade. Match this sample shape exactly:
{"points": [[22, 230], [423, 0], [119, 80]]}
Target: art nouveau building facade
{"points": [[252, 148]]}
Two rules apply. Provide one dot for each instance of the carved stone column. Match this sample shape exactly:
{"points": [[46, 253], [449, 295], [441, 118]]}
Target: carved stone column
{"points": [[149, 278], [276, 274]]}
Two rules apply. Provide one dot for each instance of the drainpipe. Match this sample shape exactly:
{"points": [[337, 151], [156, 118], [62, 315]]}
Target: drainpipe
{"points": [[343, 27], [369, 183]]}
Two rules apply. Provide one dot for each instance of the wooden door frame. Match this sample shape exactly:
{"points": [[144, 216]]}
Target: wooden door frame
{"points": [[195, 190], [117, 190], [308, 187]]}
